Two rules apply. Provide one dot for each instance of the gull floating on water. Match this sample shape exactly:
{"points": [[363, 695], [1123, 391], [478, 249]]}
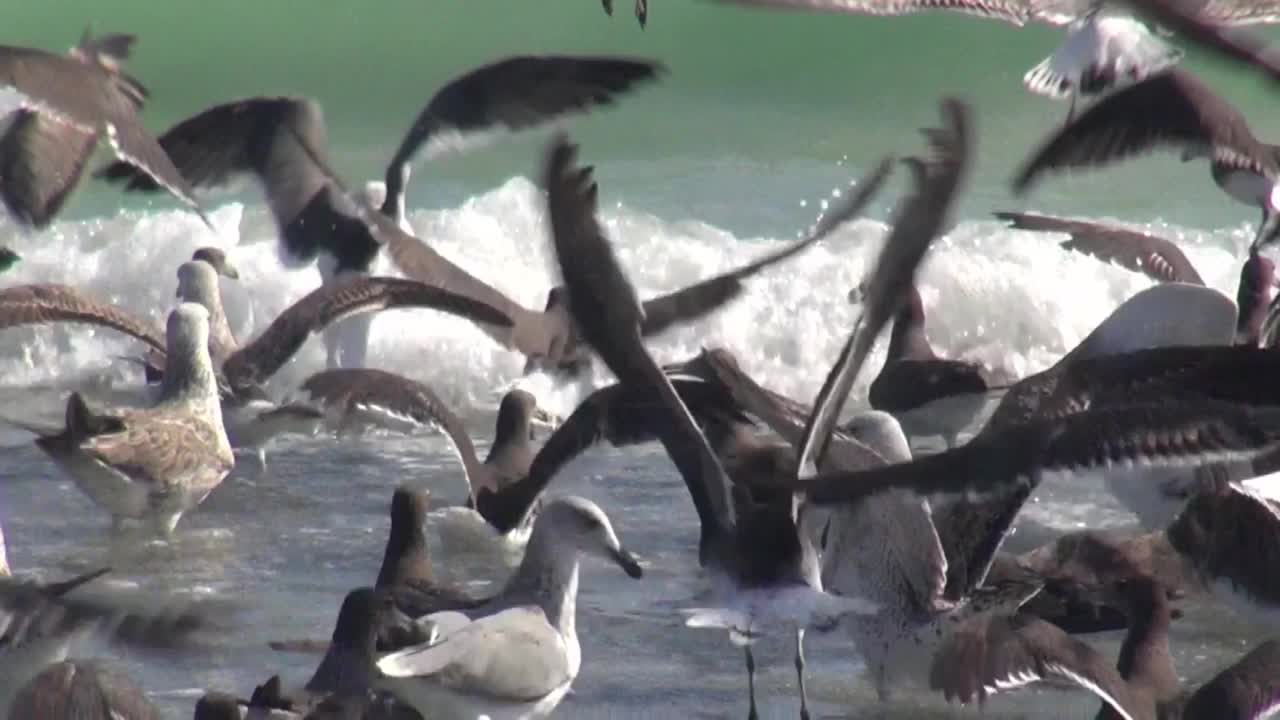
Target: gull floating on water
{"points": [[518, 654], [1000, 652]]}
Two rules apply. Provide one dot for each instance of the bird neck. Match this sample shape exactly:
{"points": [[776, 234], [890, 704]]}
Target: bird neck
{"points": [[189, 379], [1145, 660], [908, 340], [548, 577], [406, 558]]}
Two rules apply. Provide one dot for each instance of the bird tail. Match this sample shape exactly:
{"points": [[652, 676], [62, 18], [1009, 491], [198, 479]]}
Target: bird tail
{"points": [[1044, 80]]}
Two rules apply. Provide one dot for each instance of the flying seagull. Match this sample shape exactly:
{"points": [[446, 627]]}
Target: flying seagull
{"points": [[281, 141], [53, 111], [1173, 109]]}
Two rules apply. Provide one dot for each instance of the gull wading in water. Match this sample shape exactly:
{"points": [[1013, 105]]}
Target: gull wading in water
{"points": [[518, 654]]}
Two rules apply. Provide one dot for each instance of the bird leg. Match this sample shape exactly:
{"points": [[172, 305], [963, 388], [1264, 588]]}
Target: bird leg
{"points": [[804, 700], [752, 714], [1071, 108]]}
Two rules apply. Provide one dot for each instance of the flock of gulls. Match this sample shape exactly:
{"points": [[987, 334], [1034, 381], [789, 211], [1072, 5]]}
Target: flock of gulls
{"points": [[805, 522]]}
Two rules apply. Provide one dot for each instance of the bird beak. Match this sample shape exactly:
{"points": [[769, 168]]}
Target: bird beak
{"points": [[628, 563], [229, 270], [1268, 231]]}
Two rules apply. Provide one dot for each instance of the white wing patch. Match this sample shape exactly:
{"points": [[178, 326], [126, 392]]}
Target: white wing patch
{"points": [[1089, 685]]}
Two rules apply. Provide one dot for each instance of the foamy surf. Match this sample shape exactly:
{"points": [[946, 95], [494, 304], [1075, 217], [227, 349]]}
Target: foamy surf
{"points": [[1002, 296]]}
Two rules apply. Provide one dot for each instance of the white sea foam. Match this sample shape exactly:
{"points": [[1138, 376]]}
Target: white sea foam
{"points": [[1006, 297]]}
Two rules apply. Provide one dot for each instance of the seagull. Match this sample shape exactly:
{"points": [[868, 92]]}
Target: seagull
{"points": [[157, 463], [767, 573], [1172, 108], [505, 489], [406, 573], [406, 565], [929, 394], [347, 673], [53, 111], [1103, 51], [82, 690], [251, 418], [1156, 257], [1161, 260], [1002, 652], [281, 142], [40, 622], [518, 654]]}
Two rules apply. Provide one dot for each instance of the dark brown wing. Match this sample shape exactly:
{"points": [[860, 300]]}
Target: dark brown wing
{"points": [[1010, 12], [909, 384], [1173, 109], [1250, 688], [515, 94], [991, 653], [276, 139], [82, 689], [92, 97], [41, 162], [272, 348], [50, 303], [695, 301], [615, 414], [1233, 538], [1007, 460], [1158, 258], [604, 306], [396, 394], [530, 333]]}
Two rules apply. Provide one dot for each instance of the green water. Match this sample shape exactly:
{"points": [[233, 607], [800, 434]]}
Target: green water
{"points": [[754, 114]]}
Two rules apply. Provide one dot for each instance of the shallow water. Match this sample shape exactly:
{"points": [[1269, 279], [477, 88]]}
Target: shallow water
{"points": [[762, 115]]}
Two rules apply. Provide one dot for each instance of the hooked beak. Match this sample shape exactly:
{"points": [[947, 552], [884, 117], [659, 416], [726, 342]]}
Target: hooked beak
{"points": [[229, 270], [628, 563]]}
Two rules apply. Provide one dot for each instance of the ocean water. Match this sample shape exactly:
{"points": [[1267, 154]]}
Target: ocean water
{"points": [[760, 118]]}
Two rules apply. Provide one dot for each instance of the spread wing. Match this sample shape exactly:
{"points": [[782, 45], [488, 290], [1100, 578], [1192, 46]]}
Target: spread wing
{"points": [[1157, 257], [41, 161], [700, 299], [261, 358], [49, 303], [1170, 109], [993, 653], [617, 414]]}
